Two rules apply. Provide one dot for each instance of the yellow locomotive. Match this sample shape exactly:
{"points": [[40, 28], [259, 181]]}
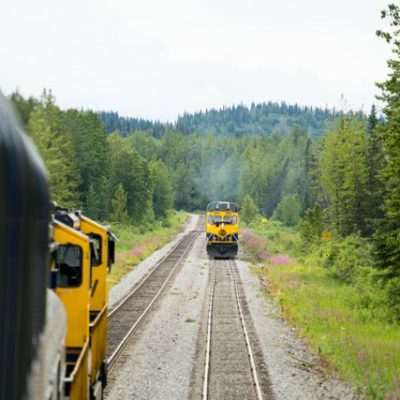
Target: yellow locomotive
{"points": [[79, 265], [222, 229]]}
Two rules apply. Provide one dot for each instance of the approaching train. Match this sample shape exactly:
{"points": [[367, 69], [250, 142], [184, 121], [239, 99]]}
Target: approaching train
{"points": [[222, 229], [52, 340]]}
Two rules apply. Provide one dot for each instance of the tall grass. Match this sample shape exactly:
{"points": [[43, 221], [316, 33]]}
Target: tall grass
{"points": [[344, 323]]}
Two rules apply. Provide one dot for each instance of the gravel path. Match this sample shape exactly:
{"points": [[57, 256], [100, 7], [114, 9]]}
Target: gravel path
{"points": [[124, 286], [158, 362], [294, 373]]}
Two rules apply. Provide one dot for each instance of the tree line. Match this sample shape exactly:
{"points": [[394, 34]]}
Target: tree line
{"points": [[264, 118], [102, 174]]}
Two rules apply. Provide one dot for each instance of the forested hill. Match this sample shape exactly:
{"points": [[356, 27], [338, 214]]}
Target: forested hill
{"points": [[262, 118], [240, 120], [125, 125]]}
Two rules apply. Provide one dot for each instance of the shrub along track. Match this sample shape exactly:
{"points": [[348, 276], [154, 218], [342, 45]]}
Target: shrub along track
{"points": [[230, 363], [127, 316]]}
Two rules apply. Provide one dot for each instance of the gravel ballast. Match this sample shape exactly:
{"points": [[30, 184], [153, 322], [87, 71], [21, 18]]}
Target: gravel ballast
{"points": [[158, 362]]}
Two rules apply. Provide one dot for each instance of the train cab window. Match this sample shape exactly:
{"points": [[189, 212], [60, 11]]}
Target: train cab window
{"points": [[68, 261], [96, 256], [214, 219], [228, 219]]}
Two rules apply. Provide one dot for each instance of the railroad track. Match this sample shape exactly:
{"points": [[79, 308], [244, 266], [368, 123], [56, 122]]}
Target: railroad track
{"points": [[125, 318], [230, 368]]}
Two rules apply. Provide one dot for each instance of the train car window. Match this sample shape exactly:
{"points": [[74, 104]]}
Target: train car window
{"points": [[96, 258], [111, 249], [69, 264], [111, 253]]}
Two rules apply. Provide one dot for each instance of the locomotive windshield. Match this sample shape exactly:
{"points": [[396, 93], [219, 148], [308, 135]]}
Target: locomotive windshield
{"points": [[228, 219], [214, 219]]}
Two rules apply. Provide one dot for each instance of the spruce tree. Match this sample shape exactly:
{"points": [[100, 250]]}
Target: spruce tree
{"points": [[55, 145], [387, 238], [93, 207], [162, 189], [375, 163], [288, 210], [343, 176], [119, 202], [248, 210]]}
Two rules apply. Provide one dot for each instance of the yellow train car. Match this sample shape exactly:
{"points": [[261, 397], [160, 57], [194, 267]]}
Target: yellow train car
{"points": [[83, 272], [222, 229], [71, 282]]}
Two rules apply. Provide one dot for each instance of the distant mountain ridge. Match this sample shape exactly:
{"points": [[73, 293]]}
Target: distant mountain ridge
{"points": [[237, 120]]}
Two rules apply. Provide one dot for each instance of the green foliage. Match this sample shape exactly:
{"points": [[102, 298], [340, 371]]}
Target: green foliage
{"points": [[387, 234], [344, 323], [92, 151], [162, 189], [128, 168], [93, 206], [288, 210], [348, 258], [119, 206], [263, 118], [312, 226], [23, 106], [248, 211], [55, 145], [343, 176], [135, 243]]}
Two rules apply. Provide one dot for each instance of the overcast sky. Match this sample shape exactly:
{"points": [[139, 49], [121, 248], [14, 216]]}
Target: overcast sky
{"points": [[158, 58]]}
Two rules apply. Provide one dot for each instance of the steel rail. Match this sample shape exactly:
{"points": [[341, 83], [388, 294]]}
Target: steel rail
{"points": [[111, 359], [256, 382], [152, 270], [208, 342], [246, 335], [145, 278]]}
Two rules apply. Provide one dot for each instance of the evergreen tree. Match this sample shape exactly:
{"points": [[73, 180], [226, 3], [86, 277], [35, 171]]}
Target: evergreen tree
{"points": [[288, 210], [387, 237], [93, 205], [312, 225], [23, 106], [343, 176], [248, 211], [91, 148], [55, 145], [132, 171], [119, 206], [375, 163], [162, 189]]}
